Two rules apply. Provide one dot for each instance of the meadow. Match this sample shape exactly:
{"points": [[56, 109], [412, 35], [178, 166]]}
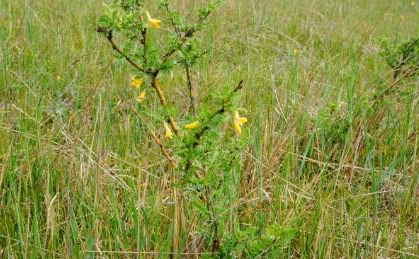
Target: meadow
{"points": [[327, 167]]}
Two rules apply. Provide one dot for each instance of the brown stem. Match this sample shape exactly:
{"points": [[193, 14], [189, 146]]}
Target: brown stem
{"points": [[192, 100], [183, 38], [162, 148], [220, 111], [115, 47], [144, 43], [175, 27], [392, 85], [199, 134]]}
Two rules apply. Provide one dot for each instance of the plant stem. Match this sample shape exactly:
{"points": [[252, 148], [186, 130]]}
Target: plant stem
{"points": [[115, 47], [192, 100], [220, 111]]}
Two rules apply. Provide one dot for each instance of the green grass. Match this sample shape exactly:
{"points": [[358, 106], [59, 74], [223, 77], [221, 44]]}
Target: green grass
{"points": [[80, 178]]}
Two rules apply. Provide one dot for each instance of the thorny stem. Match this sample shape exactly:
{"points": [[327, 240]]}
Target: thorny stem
{"points": [[144, 43], [183, 38], [115, 47], [163, 149], [220, 111], [154, 72], [192, 100], [205, 196], [160, 94], [175, 27]]}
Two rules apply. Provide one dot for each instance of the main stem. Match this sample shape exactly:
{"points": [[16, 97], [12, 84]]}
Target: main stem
{"points": [[192, 101]]}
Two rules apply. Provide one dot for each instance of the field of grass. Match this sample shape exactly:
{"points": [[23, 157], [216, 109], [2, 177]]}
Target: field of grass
{"points": [[80, 177]]}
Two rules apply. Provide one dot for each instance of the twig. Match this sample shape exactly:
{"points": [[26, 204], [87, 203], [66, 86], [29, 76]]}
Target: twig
{"points": [[144, 43], [192, 100], [188, 34], [220, 111], [115, 47], [396, 82], [205, 195], [175, 27]]}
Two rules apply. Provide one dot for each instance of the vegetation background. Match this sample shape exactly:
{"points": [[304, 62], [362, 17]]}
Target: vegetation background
{"points": [[75, 161]]}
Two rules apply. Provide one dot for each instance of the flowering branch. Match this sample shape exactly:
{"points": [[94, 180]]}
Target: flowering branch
{"points": [[220, 111], [152, 73]]}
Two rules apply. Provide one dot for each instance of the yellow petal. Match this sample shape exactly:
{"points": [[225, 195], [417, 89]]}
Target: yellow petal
{"points": [[153, 23], [141, 97], [237, 128], [167, 133], [238, 122], [136, 82], [192, 125], [242, 120], [236, 115]]}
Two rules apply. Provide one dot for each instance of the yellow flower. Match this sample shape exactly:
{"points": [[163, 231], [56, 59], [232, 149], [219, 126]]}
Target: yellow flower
{"points": [[167, 133], [136, 82], [153, 23], [238, 122], [192, 125], [141, 97], [58, 77]]}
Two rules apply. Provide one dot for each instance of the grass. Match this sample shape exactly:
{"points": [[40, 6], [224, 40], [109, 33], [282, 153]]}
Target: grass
{"points": [[79, 177]]}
